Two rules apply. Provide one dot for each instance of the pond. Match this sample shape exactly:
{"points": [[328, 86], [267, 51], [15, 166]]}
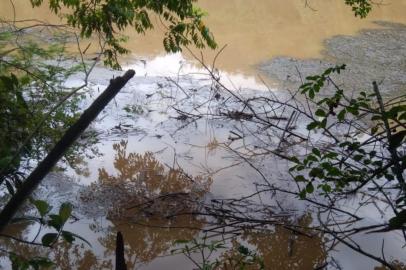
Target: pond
{"points": [[153, 165]]}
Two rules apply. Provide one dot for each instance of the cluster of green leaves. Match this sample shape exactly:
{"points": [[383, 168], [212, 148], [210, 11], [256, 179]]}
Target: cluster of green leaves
{"points": [[14, 113], [246, 259], [239, 258], [360, 8], [56, 222], [106, 17], [323, 167], [337, 170], [194, 246], [185, 33], [134, 109], [36, 263], [50, 221], [32, 75], [316, 82], [362, 155]]}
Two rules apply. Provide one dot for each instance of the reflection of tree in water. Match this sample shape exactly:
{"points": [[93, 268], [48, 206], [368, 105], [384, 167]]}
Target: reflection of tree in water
{"points": [[65, 256], [77, 256], [142, 245], [143, 194], [284, 249], [148, 241], [137, 181], [148, 174], [141, 180]]}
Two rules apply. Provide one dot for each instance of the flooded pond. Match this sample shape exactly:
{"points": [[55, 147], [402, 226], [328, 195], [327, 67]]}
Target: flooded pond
{"points": [[158, 159]]}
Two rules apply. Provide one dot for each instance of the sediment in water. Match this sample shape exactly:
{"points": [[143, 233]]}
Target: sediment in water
{"points": [[371, 55]]}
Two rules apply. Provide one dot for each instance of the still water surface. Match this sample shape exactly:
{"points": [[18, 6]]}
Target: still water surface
{"points": [[254, 31]]}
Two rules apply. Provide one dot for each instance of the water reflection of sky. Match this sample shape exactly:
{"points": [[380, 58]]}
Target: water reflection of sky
{"points": [[174, 65]]}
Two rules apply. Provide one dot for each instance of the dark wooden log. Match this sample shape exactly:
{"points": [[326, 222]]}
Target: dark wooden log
{"points": [[120, 259], [61, 146]]}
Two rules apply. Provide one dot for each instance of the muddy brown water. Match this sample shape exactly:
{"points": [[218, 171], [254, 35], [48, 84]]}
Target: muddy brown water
{"points": [[254, 32]]}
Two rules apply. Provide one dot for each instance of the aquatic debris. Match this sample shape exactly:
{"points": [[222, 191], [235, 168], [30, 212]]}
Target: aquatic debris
{"points": [[238, 115]]}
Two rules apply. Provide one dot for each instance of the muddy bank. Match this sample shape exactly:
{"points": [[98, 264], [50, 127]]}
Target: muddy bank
{"points": [[377, 54]]}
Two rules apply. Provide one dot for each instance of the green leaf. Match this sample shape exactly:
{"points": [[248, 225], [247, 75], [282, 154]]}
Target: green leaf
{"points": [[311, 94], [323, 123], [300, 178], [295, 160], [311, 158], [49, 238], [402, 116], [67, 236], [316, 172], [353, 110], [313, 78], [326, 188], [181, 241], [65, 212], [302, 194], [397, 139], [42, 206], [56, 222], [358, 157], [316, 152], [300, 168], [309, 188], [334, 171], [341, 115], [320, 113], [398, 221], [312, 125], [330, 155], [389, 177], [243, 250]]}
